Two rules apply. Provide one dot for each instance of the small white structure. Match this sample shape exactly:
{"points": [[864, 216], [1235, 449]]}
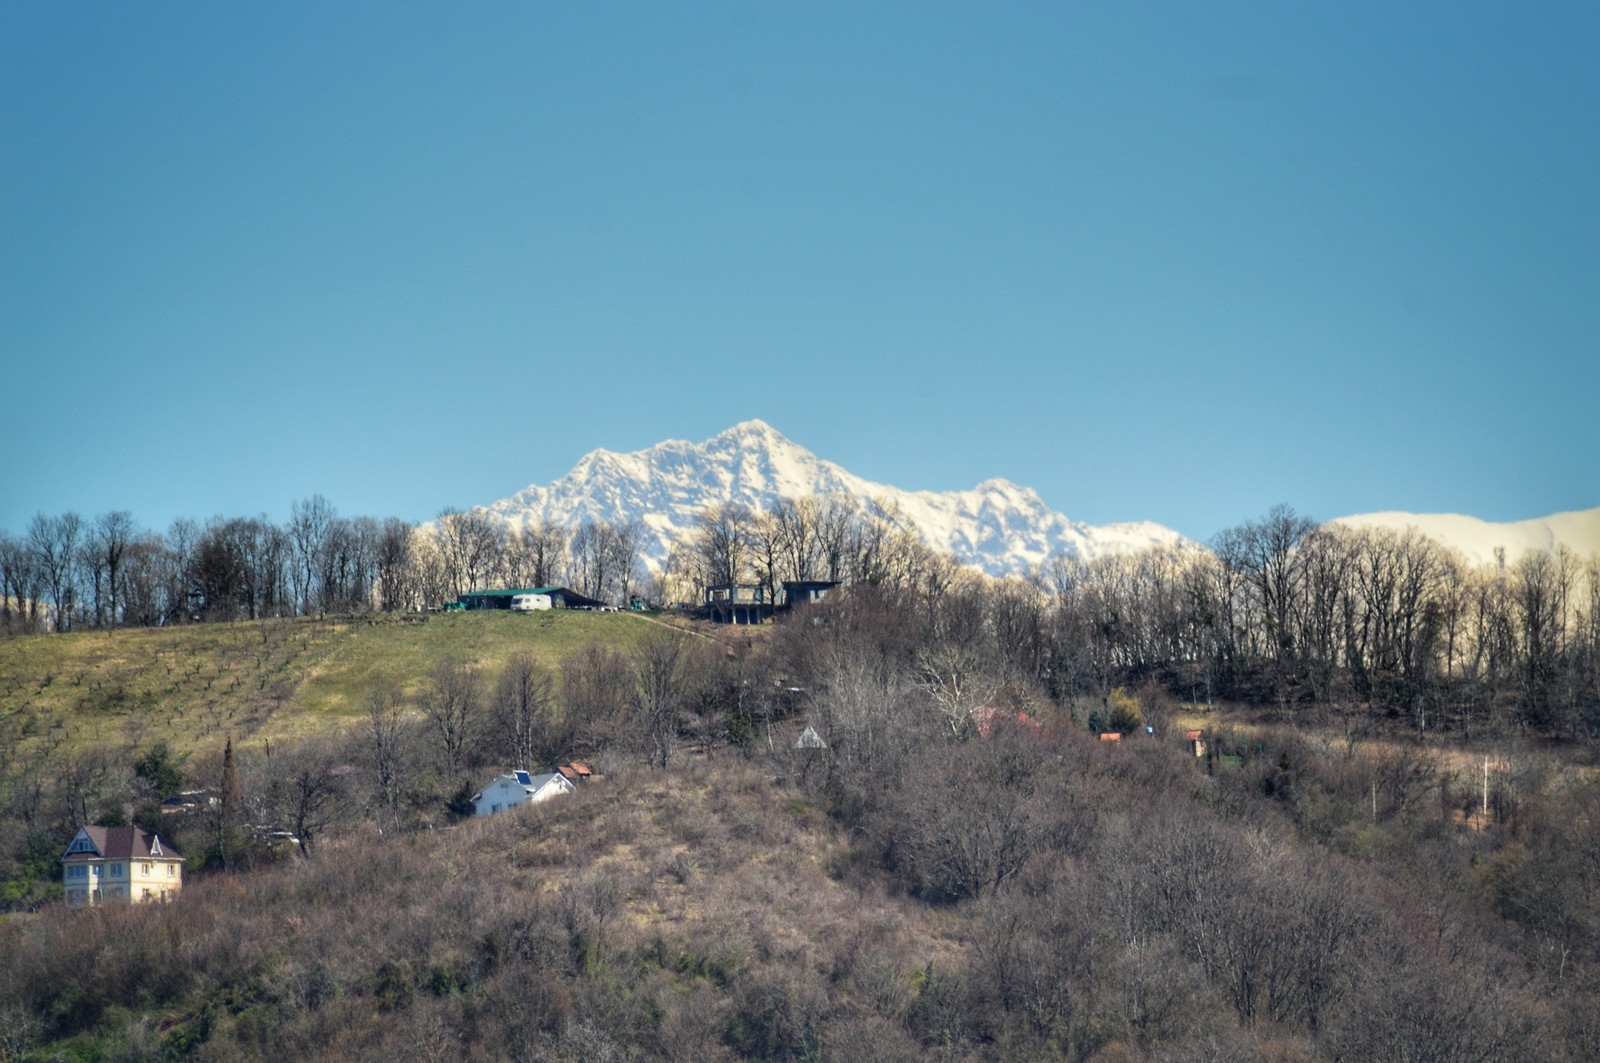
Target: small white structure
{"points": [[527, 603], [519, 788]]}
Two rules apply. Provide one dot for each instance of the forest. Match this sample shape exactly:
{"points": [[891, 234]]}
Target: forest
{"points": [[1390, 849], [1279, 610]]}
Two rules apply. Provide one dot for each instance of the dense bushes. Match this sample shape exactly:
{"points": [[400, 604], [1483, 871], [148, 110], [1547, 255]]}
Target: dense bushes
{"points": [[707, 913]]}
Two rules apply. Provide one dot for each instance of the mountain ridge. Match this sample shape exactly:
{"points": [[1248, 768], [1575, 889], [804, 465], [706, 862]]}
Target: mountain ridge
{"points": [[998, 526], [1479, 540]]}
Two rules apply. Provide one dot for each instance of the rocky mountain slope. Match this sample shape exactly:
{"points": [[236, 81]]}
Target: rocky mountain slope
{"points": [[996, 526]]}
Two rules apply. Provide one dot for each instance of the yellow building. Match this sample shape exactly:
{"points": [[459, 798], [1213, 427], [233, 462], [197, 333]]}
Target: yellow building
{"points": [[120, 864]]}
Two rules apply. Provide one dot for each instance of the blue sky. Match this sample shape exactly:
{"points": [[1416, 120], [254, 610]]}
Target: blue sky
{"points": [[1176, 262]]}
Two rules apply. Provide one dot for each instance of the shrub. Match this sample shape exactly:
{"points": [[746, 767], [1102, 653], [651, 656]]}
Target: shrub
{"points": [[1122, 711]]}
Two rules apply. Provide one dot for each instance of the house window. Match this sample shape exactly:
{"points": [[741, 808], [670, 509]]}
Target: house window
{"points": [[144, 869], [116, 870], [172, 869], [77, 871]]}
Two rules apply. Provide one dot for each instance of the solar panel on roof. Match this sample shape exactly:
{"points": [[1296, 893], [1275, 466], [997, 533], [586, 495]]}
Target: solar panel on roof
{"points": [[522, 777]]}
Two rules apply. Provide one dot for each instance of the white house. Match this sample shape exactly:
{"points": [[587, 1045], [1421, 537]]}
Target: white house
{"points": [[519, 788]]}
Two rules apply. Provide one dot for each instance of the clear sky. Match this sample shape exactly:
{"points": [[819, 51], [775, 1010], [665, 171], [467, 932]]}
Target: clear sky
{"points": [[1175, 262]]}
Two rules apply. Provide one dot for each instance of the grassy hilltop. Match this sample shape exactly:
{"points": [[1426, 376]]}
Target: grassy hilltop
{"points": [[190, 686]]}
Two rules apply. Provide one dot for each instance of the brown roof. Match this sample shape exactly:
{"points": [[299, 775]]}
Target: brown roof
{"points": [[1192, 736], [1111, 736], [570, 773], [123, 843], [581, 769]]}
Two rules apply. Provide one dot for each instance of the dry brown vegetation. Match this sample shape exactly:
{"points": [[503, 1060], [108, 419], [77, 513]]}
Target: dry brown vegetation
{"points": [[916, 890], [715, 912]]}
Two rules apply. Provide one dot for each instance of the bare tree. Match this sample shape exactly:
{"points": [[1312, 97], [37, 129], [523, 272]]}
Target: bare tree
{"points": [[471, 544], [1542, 584], [113, 532], [658, 691], [722, 544], [221, 581], [794, 529], [624, 547], [546, 543], [18, 583], [523, 711], [308, 797], [395, 565], [145, 581], [450, 703], [596, 692], [835, 526], [947, 850], [309, 522], [604, 559], [182, 539], [536, 555], [957, 677], [1270, 567], [435, 583], [54, 543], [383, 728]]}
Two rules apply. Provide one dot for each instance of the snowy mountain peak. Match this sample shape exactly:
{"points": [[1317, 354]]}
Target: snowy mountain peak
{"points": [[998, 526], [753, 429]]}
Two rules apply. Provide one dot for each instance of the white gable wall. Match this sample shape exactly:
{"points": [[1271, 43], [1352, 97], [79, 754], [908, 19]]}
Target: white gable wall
{"points": [[506, 793]]}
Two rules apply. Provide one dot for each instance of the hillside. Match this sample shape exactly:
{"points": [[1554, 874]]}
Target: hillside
{"points": [[190, 685], [1322, 888], [1099, 903]]}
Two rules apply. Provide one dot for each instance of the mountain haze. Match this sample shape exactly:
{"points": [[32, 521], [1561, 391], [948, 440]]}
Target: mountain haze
{"points": [[996, 526], [1477, 540]]}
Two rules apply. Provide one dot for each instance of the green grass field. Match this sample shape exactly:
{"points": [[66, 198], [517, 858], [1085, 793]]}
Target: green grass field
{"points": [[190, 686]]}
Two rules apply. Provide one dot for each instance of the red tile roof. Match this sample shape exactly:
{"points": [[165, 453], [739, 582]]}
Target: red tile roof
{"points": [[984, 718]]}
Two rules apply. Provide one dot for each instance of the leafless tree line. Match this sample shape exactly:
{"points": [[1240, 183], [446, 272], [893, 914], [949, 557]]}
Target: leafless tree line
{"points": [[66, 573], [1280, 610], [1285, 611], [836, 538]]}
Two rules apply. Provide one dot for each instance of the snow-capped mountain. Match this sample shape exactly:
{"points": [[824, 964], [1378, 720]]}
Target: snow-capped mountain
{"points": [[1477, 540], [997, 526]]}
